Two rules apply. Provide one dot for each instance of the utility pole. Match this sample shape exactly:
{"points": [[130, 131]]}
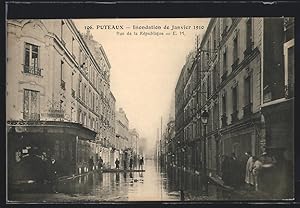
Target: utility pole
{"points": [[161, 142], [157, 148]]}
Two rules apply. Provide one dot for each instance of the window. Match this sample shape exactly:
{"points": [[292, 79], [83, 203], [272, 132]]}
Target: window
{"points": [[224, 24], [208, 48], [79, 89], [247, 91], [224, 104], [79, 119], [72, 46], [84, 119], [208, 86], [31, 105], [249, 33], [215, 116], [83, 92], [289, 65], [93, 103], [61, 105], [62, 29], [80, 57], [214, 39], [203, 96], [89, 98], [234, 98], [71, 117], [31, 62], [62, 84], [225, 60], [215, 78], [235, 48]]}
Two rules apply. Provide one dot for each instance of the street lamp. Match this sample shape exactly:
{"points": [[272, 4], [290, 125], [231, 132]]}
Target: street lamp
{"points": [[204, 120]]}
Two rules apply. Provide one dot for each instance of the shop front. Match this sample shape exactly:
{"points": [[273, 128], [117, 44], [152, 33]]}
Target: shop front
{"points": [[61, 143]]}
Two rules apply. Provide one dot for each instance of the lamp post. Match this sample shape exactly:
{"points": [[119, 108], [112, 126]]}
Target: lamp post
{"points": [[204, 120]]}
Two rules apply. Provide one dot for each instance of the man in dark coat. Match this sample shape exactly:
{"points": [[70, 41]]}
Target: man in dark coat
{"points": [[141, 163], [117, 162], [131, 163], [225, 167], [234, 167]]}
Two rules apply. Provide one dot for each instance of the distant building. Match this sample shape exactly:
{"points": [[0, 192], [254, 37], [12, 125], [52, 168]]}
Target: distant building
{"points": [[134, 140], [142, 146], [122, 130]]}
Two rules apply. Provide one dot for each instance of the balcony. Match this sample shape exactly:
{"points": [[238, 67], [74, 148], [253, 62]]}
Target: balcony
{"points": [[224, 120], [63, 84], [32, 70], [73, 93], [224, 76], [235, 64], [247, 110], [234, 117], [31, 116]]}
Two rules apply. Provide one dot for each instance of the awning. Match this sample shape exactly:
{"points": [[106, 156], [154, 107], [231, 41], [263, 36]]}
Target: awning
{"points": [[48, 127]]}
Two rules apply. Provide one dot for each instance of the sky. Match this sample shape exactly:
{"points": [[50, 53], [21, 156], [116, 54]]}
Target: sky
{"points": [[145, 69]]}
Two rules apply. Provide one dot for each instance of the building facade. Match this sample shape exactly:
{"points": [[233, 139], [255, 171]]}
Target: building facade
{"points": [[180, 113], [242, 74], [122, 136], [56, 93]]}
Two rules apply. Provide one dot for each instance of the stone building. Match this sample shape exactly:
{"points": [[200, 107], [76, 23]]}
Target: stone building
{"points": [[240, 84], [243, 75], [57, 90], [122, 130], [180, 113], [122, 134]]}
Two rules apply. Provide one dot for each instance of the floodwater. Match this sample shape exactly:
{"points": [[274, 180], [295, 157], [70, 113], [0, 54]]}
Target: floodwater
{"points": [[151, 185]]}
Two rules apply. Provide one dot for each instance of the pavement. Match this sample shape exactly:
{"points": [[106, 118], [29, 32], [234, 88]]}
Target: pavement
{"points": [[219, 191]]}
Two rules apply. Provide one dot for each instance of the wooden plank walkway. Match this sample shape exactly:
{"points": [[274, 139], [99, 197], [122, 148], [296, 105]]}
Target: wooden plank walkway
{"points": [[217, 181], [120, 171]]}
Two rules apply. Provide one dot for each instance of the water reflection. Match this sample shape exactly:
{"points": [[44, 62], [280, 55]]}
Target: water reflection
{"points": [[154, 184], [151, 185]]}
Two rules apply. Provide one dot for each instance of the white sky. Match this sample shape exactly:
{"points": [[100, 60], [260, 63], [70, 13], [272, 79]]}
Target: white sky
{"points": [[145, 69]]}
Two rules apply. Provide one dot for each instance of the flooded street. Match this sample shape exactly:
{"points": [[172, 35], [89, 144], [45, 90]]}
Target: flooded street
{"points": [[150, 185]]}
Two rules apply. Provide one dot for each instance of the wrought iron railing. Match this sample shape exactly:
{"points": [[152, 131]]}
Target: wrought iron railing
{"points": [[31, 116], [32, 70]]}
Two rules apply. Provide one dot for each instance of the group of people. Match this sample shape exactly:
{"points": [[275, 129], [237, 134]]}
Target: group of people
{"points": [[247, 169], [131, 163], [95, 165], [268, 172]]}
